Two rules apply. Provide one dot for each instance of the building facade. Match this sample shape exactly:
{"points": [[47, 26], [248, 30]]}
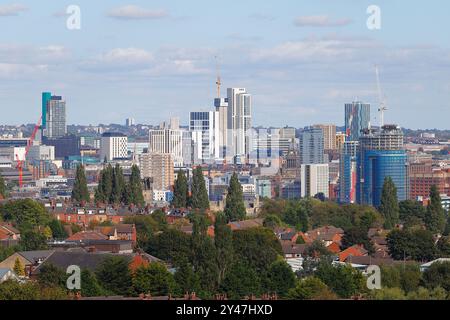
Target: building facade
{"points": [[205, 133], [159, 168], [348, 172], [168, 139], [357, 118], [239, 122], [113, 146], [53, 116], [314, 180], [381, 154], [312, 146]]}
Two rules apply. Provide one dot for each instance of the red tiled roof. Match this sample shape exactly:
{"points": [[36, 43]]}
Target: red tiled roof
{"points": [[87, 235]]}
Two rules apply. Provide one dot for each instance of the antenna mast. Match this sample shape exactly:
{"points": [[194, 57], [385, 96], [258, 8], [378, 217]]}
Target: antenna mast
{"points": [[381, 99]]}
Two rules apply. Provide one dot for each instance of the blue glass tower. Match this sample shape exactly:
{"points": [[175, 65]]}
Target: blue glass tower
{"points": [[357, 118], [380, 155], [46, 97]]}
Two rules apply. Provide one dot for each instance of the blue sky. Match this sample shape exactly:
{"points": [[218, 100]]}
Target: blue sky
{"points": [[302, 60]]}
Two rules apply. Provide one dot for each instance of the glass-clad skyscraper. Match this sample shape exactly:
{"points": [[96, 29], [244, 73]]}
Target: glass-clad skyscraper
{"points": [[380, 154], [357, 118]]}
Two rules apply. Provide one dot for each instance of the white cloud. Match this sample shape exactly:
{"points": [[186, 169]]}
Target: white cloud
{"points": [[130, 12], [127, 56], [11, 9], [19, 71], [320, 21]]}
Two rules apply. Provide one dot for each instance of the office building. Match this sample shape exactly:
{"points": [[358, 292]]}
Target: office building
{"points": [[53, 116], [158, 167], [66, 146], [380, 154], [114, 146], [340, 139], [129, 122], [205, 134], [168, 139], [314, 180], [357, 118], [329, 135], [41, 152], [221, 105], [239, 122], [348, 172], [312, 146]]}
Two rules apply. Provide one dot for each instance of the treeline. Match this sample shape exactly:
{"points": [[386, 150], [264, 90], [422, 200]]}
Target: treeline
{"points": [[113, 189], [35, 224], [198, 199]]}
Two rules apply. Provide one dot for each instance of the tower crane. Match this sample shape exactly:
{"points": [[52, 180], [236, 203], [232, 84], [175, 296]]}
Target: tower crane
{"points": [[29, 144], [381, 99], [218, 81]]}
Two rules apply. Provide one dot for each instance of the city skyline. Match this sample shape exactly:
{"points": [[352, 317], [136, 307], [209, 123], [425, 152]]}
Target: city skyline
{"points": [[304, 60]]}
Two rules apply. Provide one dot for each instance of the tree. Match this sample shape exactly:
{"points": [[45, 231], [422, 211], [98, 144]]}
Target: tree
{"points": [[311, 288], [234, 203], [357, 235], [118, 193], [200, 198], [14, 290], [409, 209], [154, 279], [389, 203], [51, 276], [80, 192], [280, 278], [272, 221], [345, 281], [180, 191], [90, 287], [258, 247], [435, 216], [411, 244], [146, 226], [19, 268], [437, 275], [115, 276], [170, 245], [223, 241], [2, 187], [33, 240], [241, 281], [57, 228], [186, 279], [296, 215], [443, 246], [134, 188], [103, 192], [26, 213], [387, 294], [203, 258]]}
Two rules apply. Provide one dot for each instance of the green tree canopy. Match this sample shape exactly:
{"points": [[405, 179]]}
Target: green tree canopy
{"points": [[200, 198], [411, 244], [389, 207], [133, 190], [80, 191], [234, 202], [280, 278], [2, 187], [241, 281], [311, 288], [90, 286], [154, 279], [27, 214], [180, 191], [435, 215], [114, 275]]}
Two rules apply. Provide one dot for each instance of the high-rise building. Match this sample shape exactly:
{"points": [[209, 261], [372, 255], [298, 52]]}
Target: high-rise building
{"points": [[348, 172], [381, 154], [329, 135], [159, 168], [129, 122], [113, 146], [205, 134], [221, 105], [314, 179], [239, 122], [357, 118], [312, 146], [53, 116], [168, 139], [340, 139]]}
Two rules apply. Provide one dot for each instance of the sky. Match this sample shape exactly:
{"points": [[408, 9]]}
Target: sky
{"points": [[151, 60]]}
